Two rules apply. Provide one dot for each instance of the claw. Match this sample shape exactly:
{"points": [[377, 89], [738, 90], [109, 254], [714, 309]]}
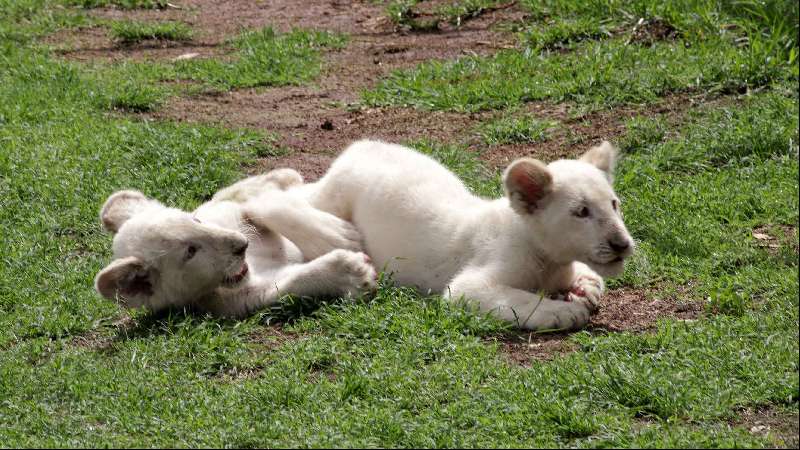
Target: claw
{"points": [[579, 291]]}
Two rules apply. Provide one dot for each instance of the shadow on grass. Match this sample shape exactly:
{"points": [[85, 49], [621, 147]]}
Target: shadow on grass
{"points": [[147, 324]]}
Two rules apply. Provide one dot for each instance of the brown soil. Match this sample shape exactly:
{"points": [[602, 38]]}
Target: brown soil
{"points": [[523, 348], [773, 237], [96, 341], [627, 309], [271, 336], [621, 310], [781, 428], [648, 32]]}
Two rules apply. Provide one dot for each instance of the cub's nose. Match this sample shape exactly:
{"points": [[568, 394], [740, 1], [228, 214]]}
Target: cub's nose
{"points": [[619, 246], [240, 249]]}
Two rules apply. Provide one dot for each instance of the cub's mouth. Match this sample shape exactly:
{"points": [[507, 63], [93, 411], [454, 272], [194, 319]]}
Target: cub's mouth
{"points": [[610, 268], [610, 262], [232, 280]]}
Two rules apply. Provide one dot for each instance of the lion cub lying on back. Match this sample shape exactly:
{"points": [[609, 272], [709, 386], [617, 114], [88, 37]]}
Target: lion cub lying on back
{"points": [[240, 251], [557, 228]]}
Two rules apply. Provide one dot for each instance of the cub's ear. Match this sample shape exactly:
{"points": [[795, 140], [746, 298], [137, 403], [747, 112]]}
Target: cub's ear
{"points": [[121, 206], [527, 182], [126, 280], [604, 157]]}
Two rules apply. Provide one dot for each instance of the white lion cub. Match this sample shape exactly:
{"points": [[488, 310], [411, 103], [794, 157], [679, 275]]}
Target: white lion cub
{"points": [[420, 222], [240, 251]]}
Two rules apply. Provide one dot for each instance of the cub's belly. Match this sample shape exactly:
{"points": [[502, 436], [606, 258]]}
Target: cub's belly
{"points": [[412, 252]]}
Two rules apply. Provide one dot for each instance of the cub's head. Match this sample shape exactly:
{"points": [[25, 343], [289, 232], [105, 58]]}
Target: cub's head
{"points": [[164, 256], [572, 209]]}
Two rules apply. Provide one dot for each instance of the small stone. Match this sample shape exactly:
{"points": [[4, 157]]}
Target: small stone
{"points": [[186, 56]]}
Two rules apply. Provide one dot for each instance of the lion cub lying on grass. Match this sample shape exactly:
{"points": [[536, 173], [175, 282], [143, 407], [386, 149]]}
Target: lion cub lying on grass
{"points": [[240, 251], [557, 228]]}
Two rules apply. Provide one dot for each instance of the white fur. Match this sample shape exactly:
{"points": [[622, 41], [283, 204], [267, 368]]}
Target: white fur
{"points": [[421, 223], [165, 257]]}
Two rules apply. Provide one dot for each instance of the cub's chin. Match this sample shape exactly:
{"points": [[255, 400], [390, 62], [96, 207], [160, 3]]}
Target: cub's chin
{"points": [[609, 269], [233, 280]]}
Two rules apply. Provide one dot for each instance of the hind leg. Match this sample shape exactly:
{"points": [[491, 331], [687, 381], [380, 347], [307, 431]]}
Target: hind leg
{"points": [[313, 231], [338, 273]]}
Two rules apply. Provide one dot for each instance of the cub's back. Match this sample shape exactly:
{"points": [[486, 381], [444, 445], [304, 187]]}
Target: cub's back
{"points": [[409, 208]]}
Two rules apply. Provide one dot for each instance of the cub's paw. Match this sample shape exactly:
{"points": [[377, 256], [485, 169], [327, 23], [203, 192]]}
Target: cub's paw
{"points": [[351, 272], [572, 315], [589, 287], [249, 188], [283, 178]]}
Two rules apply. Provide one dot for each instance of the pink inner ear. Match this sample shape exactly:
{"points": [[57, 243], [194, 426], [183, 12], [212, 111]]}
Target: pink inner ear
{"points": [[531, 191], [138, 285]]}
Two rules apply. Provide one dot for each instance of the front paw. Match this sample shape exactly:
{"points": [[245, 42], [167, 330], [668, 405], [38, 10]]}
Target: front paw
{"points": [[560, 316], [577, 313], [283, 178], [587, 287], [352, 272]]}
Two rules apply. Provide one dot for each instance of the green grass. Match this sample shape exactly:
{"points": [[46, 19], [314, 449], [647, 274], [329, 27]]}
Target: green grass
{"points": [[774, 21], [400, 369], [564, 33], [752, 147], [761, 50], [23, 20], [515, 130], [258, 58], [598, 73], [261, 58], [129, 32]]}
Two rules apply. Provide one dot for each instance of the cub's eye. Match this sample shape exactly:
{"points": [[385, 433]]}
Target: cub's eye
{"points": [[190, 252], [614, 204], [583, 212]]}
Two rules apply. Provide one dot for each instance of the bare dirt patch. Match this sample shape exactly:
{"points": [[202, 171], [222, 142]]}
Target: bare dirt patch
{"points": [[212, 23], [648, 32], [524, 348], [266, 339], [318, 121], [627, 309], [96, 341], [780, 427], [773, 237], [623, 309], [271, 336]]}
